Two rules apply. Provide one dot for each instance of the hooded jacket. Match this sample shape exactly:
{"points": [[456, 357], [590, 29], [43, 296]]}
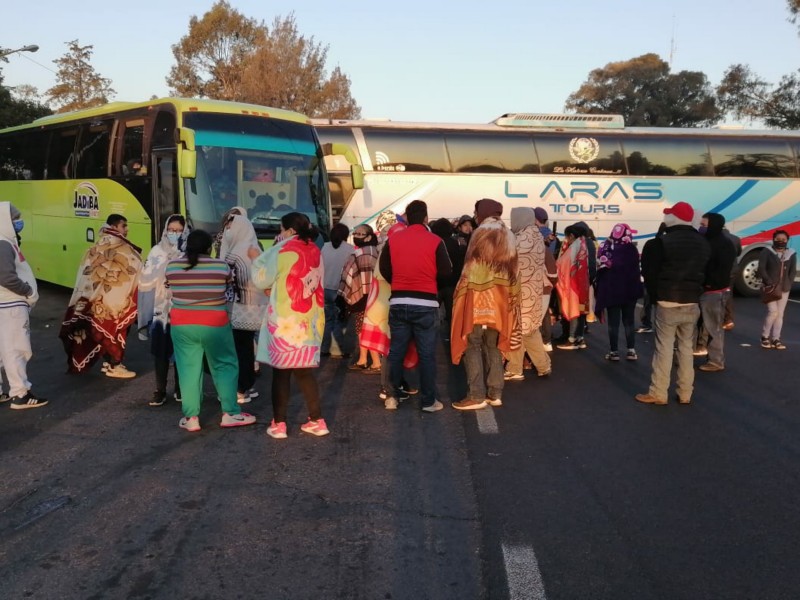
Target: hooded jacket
{"points": [[723, 255], [155, 298], [769, 268], [17, 282]]}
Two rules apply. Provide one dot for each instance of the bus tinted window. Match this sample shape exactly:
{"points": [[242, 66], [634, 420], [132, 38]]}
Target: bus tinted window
{"points": [[667, 156], [164, 130], [22, 155], [405, 151], [491, 153], [752, 158], [580, 155], [61, 158], [93, 148]]}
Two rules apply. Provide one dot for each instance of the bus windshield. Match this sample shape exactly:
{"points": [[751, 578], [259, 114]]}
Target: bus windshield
{"points": [[266, 166]]}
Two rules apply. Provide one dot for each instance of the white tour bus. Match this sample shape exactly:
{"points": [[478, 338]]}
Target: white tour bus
{"points": [[579, 168]]}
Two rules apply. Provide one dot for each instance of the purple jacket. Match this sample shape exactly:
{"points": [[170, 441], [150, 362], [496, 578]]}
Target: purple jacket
{"points": [[621, 284]]}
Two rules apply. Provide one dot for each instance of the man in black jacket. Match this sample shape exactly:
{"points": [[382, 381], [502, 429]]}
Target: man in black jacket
{"points": [[716, 288], [674, 269]]}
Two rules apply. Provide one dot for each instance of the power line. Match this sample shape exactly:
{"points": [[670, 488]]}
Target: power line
{"points": [[26, 57]]}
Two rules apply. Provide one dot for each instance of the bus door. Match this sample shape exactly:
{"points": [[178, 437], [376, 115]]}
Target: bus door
{"points": [[165, 189], [132, 169]]}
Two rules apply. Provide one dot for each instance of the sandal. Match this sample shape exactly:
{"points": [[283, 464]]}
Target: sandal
{"points": [[373, 369], [357, 367]]}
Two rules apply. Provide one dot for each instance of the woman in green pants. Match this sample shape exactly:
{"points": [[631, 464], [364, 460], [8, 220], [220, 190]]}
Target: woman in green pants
{"points": [[200, 328]]}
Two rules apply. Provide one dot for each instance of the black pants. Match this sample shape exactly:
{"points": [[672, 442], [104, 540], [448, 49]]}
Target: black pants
{"points": [[625, 313], [245, 353], [280, 392], [162, 351]]}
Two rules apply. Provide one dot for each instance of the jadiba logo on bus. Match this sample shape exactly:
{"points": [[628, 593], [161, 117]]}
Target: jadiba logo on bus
{"points": [[584, 150], [87, 200]]}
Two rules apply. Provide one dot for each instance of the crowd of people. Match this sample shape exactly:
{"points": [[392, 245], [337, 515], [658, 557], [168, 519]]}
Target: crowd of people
{"points": [[224, 306]]}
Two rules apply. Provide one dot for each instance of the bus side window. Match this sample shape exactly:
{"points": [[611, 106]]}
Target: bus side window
{"points": [[61, 157], [93, 147], [132, 148]]}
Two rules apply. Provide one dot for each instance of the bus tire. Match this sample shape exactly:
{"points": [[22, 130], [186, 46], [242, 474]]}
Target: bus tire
{"points": [[747, 281]]}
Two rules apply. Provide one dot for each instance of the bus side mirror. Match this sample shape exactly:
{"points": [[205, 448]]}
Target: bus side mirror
{"points": [[187, 155], [357, 174], [356, 170]]}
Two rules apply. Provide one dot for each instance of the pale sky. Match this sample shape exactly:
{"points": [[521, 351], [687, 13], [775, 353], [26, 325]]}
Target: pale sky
{"points": [[440, 60]]}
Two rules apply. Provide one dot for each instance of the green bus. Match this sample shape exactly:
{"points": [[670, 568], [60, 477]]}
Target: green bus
{"points": [[68, 172]]}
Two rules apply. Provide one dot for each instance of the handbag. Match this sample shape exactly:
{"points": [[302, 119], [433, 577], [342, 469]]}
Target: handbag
{"points": [[247, 317], [773, 293]]}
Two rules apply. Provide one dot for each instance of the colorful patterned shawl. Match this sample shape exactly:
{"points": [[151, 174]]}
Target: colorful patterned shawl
{"points": [[292, 332], [488, 289], [103, 303], [573, 279]]}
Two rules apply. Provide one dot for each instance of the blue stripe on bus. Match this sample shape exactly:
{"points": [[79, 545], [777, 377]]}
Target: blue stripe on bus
{"points": [[247, 141], [743, 189]]}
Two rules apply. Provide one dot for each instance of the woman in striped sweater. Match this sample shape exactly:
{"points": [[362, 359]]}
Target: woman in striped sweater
{"points": [[200, 327]]}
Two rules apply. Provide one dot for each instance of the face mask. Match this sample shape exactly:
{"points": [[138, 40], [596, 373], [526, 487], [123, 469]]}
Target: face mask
{"points": [[779, 245], [360, 242], [18, 225], [702, 230], [173, 237]]}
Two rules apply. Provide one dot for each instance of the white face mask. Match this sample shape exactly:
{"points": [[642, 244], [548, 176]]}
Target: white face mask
{"points": [[173, 237]]}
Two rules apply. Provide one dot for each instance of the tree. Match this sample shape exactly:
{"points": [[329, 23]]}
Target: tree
{"points": [[645, 93], [794, 10], [209, 60], [231, 57], [745, 95], [18, 111], [78, 84], [288, 71]]}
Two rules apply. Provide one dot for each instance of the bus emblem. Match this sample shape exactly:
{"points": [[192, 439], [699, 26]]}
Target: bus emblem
{"points": [[584, 150], [87, 200]]}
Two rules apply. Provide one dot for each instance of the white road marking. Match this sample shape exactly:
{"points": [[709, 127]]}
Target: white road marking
{"points": [[522, 573], [487, 424]]}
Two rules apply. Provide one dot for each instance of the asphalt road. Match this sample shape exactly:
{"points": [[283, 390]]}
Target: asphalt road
{"points": [[570, 490]]}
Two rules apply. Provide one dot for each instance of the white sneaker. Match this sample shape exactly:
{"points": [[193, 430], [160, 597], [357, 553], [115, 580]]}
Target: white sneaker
{"points": [[119, 371], [548, 347], [433, 407], [243, 397], [390, 403], [253, 392], [237, 420], [189, 423]]}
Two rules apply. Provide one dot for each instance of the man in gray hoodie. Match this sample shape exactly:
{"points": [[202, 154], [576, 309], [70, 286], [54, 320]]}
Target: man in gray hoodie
{"points": [[18, 294]]}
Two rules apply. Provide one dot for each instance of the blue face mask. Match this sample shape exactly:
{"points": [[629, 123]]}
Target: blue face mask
{"points": [[173, 238], [702, 230], [18, 225]]}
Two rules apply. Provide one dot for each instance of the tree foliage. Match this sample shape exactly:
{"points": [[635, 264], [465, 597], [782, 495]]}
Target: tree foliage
{"points": [[794, 10], [645, 93], [19, 111], [210, 59], [745, 95], [228, 56], [78, 85]]}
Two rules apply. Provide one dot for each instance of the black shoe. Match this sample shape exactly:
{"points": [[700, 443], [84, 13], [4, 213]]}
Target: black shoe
{"points": [[27, 401], [159, 398], [325, 354]]}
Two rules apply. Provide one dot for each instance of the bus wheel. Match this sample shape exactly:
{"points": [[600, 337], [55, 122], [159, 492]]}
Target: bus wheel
{"points": [[747, 282]]}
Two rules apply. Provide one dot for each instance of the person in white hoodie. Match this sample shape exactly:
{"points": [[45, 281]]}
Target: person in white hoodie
{"points": [[18, 294]]}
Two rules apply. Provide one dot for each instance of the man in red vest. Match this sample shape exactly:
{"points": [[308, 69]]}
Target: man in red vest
{"points": [[411, 262]]}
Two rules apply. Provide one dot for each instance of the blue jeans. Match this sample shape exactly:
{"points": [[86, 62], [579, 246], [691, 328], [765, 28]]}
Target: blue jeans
{"points": [[407, 321], [333, 326], [483, 363], [674, 324], [712, 306]]}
